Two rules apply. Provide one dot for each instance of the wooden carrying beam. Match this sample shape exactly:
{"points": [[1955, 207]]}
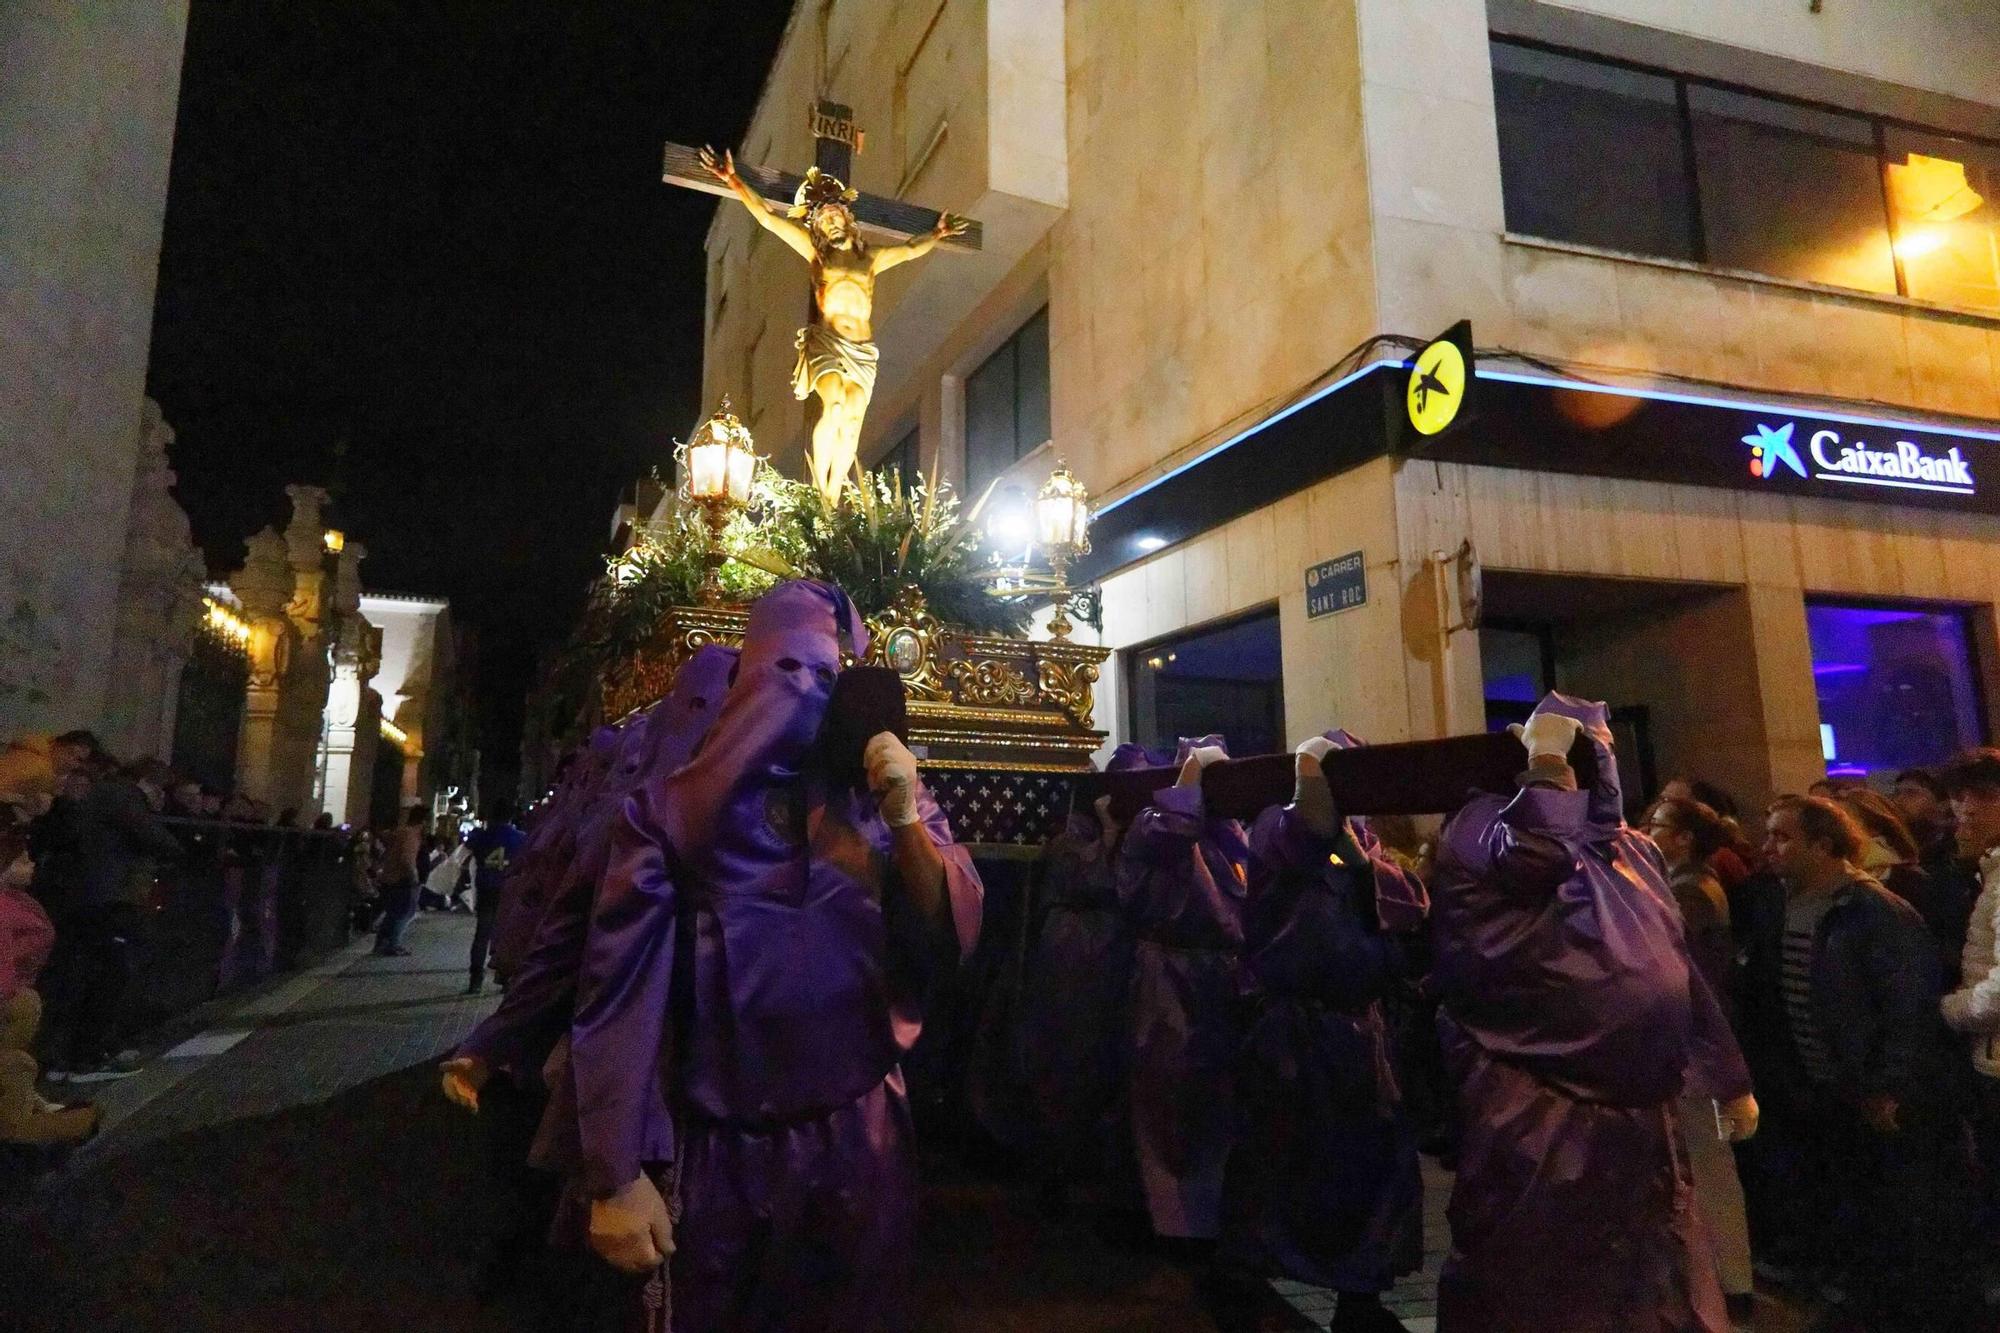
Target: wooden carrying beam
{"points": [[1406, 778]]}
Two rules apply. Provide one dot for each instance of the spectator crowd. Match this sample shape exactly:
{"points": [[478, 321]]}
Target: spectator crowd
{"points": [[100, 861]]}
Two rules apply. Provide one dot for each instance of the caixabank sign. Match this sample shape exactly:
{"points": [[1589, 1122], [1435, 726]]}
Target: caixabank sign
{"points": [[1555, 425]]}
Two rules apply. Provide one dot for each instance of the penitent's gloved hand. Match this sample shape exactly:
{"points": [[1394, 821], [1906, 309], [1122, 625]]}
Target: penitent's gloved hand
{"points": [[892, 776], [1198, 759], [1547, 735], [464, 1076], [1311, 797], [632, 1230]]}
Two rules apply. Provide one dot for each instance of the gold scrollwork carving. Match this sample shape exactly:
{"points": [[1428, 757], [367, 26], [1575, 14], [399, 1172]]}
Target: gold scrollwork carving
{"points": [[993, 682]]}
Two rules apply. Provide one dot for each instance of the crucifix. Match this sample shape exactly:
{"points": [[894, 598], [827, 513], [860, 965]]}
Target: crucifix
{"points": [[827, 223]]}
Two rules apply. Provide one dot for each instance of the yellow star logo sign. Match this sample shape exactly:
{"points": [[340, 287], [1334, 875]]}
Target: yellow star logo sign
{"points": [[1437, 387]]}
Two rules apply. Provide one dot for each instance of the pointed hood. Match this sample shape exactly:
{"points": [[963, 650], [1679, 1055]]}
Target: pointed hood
{"points": [[716, 806]]}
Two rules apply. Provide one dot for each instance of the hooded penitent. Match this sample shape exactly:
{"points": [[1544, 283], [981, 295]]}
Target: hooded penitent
{"points": [[1323, 1186], [1181, 884], [747, 958], [536, 1009], [1571, 1018], [1074, 1028]]}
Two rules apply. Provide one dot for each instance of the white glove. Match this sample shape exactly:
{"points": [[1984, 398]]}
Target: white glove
{"points": [[1198, 759], [464, 1076], [632, 1230], [1547, 734], [1311, 797], [892, 776]]}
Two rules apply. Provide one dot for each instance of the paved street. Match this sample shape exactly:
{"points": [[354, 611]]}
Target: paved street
{"points": [[292, 1167]]}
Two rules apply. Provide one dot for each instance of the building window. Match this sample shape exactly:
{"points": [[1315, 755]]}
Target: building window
{"points": [[1895, 686], [1592, 153], [1653, 163], [1007, 404], [903, 458], [1229, 679]]}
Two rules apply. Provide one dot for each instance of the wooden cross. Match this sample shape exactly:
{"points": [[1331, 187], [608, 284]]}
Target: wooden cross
{"points": [[835, 141]]}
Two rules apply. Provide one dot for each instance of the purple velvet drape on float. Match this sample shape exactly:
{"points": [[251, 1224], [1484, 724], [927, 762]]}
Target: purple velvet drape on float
{"points": [[1323, 1185], [751, 962], [1571, 1018]]}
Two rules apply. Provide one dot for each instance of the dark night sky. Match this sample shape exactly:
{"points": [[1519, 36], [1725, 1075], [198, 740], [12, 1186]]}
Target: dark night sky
{"points": [[420, 253]]}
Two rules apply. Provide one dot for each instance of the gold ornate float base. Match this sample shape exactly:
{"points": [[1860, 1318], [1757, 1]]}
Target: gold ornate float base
{"points": [[978, 703]]}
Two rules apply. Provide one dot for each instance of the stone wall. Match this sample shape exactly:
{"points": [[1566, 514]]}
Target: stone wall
{"points": [[87, 109], [159, 605]]}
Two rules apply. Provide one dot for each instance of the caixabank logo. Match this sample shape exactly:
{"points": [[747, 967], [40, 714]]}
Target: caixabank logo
{"points": [[1902, 465]]}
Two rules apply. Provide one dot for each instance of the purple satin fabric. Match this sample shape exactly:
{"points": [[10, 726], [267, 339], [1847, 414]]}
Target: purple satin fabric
{"points": [[564, 876], [535, 1011], [1323, 1184], [748, 960], [1181, 884], [1072, 1036], [1571, 1018]]}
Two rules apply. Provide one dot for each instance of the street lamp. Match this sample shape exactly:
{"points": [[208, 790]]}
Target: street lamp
{"points": [[1062, 526], [1058, 522], [719, 463]]}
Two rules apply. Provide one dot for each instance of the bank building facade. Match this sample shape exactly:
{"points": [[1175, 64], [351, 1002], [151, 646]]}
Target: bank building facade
{"points": [[1719, 283]]}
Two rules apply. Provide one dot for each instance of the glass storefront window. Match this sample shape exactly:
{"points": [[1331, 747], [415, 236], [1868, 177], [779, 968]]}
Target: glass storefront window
{"points": [[1650, 162], [1228, 679], [1895, 685], [1791, 191], [1944, 194], [1581, 142]]}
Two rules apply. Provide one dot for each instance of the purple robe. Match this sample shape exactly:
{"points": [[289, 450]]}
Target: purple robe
{"points": [[1571, 1018], [1074, 1027], [1181, 884], [535, 1011], [751, 959], [550, 844], [1324, 1185]]}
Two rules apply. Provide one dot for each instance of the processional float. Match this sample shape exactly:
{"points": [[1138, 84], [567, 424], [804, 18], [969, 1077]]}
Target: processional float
{"points": [[1002, 723]]}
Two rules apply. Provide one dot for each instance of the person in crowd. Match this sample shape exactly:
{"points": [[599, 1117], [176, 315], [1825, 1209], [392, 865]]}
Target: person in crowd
{"points": [[1572, 1020], [1688, 834], [1323, 1184], [1924, 802], [101, 931], [765, 937], [1840, 1012], [1181, 885], [450, 872], [1736, 859], [1078, 979], [494, 845], [1973, 1007], [26, 938], [399, 882], [1890, 853]]}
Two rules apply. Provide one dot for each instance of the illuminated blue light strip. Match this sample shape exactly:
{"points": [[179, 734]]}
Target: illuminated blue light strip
{"points": [[1884, 481], [1246, 433], [1738, 405]]}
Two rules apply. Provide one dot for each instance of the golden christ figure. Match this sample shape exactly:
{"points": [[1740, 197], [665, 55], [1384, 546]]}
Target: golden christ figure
{"points": [[837, 354]]}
